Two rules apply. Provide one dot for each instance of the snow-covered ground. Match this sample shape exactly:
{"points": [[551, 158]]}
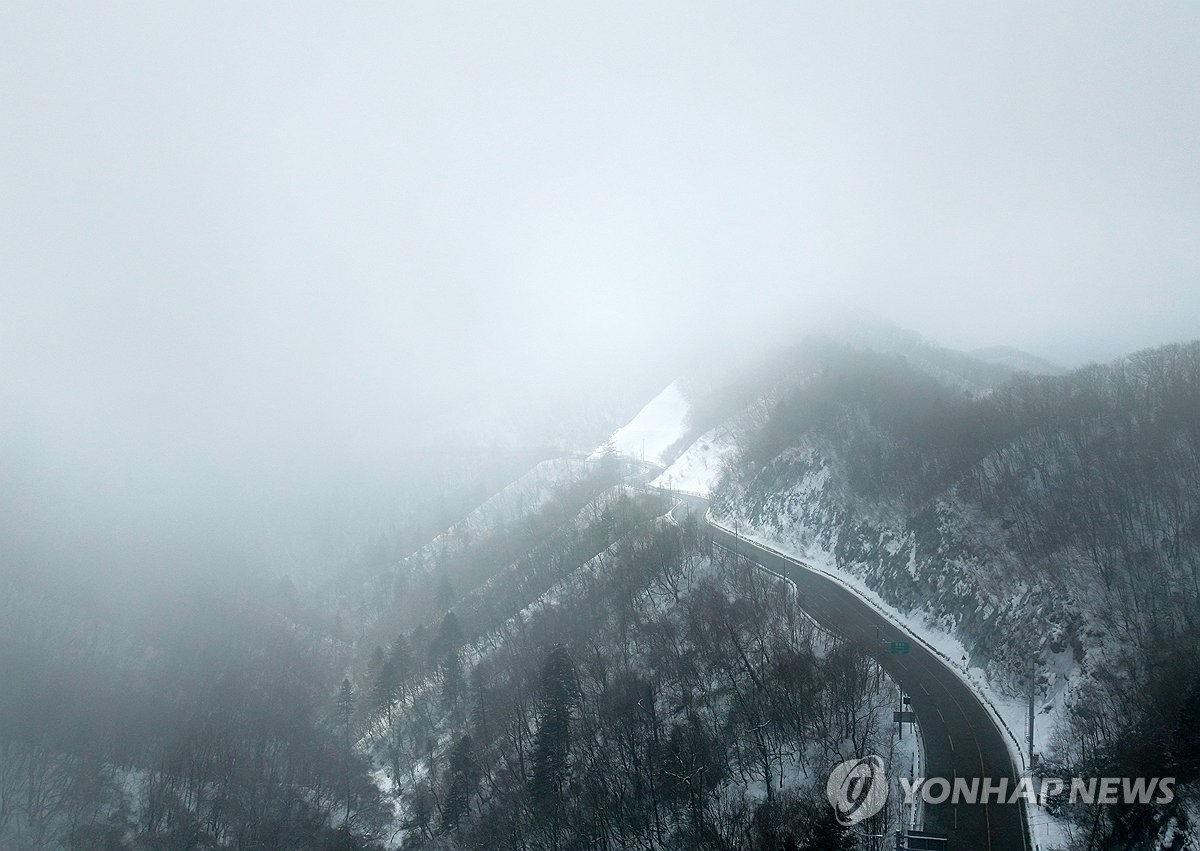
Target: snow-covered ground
{"points": [[906, 756], [661, 424], [520, 498], [656, 427], [698, 468], [1011, 714]]}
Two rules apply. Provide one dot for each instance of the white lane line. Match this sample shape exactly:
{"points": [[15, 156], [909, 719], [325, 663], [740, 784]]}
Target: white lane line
{"points": [[951, 738], [922, 685], [938, 710]]}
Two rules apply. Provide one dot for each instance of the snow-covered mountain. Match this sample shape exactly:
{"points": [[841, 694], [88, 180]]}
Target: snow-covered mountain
{"points": [[1025, 514], [650, 435], [1017, 360]]}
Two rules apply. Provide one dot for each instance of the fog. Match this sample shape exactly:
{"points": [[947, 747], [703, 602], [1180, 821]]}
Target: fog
{"points": [[296, 239]]}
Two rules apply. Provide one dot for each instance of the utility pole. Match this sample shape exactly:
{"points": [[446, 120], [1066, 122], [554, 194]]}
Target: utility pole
{"points": [[1032, 691]]}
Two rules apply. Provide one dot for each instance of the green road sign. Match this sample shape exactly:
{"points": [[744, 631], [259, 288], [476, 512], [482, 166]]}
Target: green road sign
{"points": [[900, 648]]}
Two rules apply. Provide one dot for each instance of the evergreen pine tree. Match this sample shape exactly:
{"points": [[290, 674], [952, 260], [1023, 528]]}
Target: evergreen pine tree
{"points": [[450, 634], [401, 656], [378, 657], [446, 647], [551, 748], [461, 778], [345, 719], [453, 681], [827, 835], [385, 690], [345, 707], [480, 704]]}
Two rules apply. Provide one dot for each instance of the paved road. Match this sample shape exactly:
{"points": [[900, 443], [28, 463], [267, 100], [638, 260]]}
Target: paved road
{"points": [[961, 739]]}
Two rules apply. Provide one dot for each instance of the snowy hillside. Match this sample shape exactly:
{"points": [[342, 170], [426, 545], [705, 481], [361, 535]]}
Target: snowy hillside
{"points": [[519, 499], [699, 467], [1050, 518], [1017, 360], [655, 428]]}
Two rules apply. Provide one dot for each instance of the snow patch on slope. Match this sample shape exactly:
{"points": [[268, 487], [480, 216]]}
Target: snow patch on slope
{"points": [[521, 498], [1018, 360], [656, 427], [1011, 712], [700, 466]]}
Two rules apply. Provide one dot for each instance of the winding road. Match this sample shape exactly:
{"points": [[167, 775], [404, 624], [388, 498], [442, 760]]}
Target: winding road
{"points": [[961, 739]]}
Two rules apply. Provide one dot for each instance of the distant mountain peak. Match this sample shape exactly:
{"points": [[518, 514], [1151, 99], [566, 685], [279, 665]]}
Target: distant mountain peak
{"points": [[1018, 360]]}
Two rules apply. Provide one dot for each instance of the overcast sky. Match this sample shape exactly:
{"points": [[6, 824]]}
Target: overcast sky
{"points": [[332, 220]]}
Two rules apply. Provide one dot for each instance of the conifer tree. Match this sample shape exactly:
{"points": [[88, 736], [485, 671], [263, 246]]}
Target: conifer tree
{"points": [[345, 719], [551, 749], [461, 778]]}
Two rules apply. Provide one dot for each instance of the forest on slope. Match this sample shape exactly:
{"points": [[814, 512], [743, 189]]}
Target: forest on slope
{"points": [[661, 694], [162, 691], [1053, 517], [563, 667]]}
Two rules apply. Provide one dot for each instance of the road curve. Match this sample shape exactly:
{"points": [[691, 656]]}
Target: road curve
{"points": [[961, 739]]}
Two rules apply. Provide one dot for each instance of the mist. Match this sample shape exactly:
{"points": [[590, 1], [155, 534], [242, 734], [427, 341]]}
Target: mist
{"points": [[292, 243], [505, 425]]}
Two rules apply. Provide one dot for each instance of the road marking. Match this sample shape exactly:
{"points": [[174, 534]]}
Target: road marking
{"points": [[951, 738], [747, 548], [938, 710], [987, 812]]}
